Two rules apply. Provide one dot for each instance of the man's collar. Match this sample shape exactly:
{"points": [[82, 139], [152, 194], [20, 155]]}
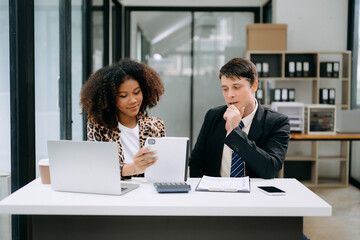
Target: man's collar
{"points": [[249, 118]]}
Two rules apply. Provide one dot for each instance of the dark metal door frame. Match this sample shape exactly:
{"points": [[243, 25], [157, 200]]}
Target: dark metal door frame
{"points": [[86, 49], [117, 28], [352, 45], [87, 42], [65, 69], [22, 103]]}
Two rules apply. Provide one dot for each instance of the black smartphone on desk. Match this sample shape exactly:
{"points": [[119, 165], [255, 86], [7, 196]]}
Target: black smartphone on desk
{"points": [[271, 190]]}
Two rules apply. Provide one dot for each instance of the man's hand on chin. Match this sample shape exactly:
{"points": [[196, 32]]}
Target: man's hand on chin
{"points": [[233, 117]]}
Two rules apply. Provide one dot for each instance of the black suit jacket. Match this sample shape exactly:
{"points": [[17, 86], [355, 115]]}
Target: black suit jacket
{"points": [[263, 149]]}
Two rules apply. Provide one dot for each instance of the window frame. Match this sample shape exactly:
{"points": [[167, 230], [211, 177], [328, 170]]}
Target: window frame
{"points": [[353, 46]]}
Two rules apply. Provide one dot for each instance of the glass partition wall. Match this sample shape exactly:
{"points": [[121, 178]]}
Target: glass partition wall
{"points": [[47, 72], [47, 111], [187, 49], [218, 37], [5, 166], [163, 40], [76, 68], [5, 157]]}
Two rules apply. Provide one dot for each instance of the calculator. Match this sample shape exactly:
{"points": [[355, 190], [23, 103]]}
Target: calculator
{"points": [[172, 187]]}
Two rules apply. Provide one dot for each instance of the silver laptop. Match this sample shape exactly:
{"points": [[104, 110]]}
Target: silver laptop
{"points": [[87, 167]]}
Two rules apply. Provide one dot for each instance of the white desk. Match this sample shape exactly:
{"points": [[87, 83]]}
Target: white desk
{"points": [[142, 212]]}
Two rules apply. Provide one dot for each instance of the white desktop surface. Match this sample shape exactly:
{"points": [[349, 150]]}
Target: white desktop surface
{"points": [[38, 199]]}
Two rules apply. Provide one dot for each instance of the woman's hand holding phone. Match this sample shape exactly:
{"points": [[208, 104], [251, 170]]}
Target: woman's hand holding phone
{"points": [[143, 159]]}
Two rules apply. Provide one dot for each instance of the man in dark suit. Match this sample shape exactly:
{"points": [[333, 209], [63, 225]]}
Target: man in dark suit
{"points": [[243, 129]]}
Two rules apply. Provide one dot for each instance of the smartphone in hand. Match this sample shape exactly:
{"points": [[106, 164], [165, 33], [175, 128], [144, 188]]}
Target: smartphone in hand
{"points": [[271, 190]]}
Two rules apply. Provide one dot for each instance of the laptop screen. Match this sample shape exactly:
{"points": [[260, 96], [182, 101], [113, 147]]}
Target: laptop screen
{"points": [[80, 166]]}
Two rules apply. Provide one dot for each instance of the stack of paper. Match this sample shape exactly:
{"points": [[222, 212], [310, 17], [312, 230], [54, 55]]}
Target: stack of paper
{"points": [[224, 184]]}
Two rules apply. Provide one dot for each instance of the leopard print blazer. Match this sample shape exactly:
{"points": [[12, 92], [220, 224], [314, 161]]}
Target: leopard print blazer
{"points": [[148, 127]]}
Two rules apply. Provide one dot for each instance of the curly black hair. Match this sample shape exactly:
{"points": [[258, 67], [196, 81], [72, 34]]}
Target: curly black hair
{"points": [[99, 93]]}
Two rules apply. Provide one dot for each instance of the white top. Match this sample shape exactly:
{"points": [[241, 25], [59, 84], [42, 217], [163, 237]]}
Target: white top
{"points": [[225, 168], [39, 199], [43, 162], [129, 142]]}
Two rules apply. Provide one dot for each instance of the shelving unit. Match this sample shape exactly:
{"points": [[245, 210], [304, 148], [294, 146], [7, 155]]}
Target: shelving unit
{"points": [[309, 173], [277, 74], [305, 161]]}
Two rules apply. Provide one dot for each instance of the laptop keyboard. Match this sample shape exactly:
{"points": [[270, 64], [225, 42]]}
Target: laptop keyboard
{"points": [[172, 187]]}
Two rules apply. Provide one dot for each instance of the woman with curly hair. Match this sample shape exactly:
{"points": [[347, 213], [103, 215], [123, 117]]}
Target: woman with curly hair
{"points": [[115, 99]]}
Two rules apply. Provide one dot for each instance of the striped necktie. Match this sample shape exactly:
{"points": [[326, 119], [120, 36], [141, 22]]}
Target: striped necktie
{"points": [[237, 164]]}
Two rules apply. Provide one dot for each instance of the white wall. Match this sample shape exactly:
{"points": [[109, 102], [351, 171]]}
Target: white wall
{"points": [[316, 25]]}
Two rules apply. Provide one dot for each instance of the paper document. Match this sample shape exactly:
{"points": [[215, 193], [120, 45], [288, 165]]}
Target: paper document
{"points": [[224, 184]]}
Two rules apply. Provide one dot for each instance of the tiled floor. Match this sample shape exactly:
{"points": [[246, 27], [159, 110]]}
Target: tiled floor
{"points": [[344, 224]]}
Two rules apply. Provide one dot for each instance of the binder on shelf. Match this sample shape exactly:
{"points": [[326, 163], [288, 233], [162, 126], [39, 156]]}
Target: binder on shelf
{"points": [[291, 95], [275, 95], [298, 69], [306, 69], [259, 69], [290, 69], [329, 69], [323, 69], [326, 69], [260, 95], [265, 69], [331, 96], [284, 95], [324, 96], [335, 68], [327, 96]]}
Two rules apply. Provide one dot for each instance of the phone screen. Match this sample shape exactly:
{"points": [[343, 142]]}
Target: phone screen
{"points": [[271, 189]]}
